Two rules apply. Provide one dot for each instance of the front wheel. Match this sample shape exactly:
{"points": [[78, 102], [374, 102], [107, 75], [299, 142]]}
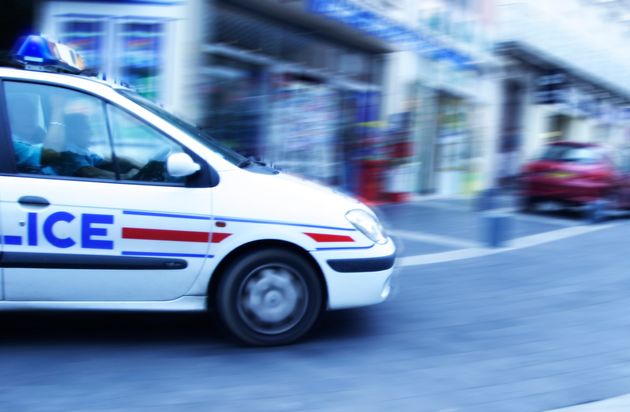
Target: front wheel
{"points": [[599, 210], [269, 297], [527, 204]]}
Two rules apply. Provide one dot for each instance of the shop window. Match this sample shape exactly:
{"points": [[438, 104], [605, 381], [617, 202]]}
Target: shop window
{"points": [[140, 46], [302, 127], [454, 135], [234, 99], [86, 36], [558, 128], [131, 50]]}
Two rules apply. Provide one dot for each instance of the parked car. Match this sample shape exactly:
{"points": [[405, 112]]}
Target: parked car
{"points": [[577, 174]]}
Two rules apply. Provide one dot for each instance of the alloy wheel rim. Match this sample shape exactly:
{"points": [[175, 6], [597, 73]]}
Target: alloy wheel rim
{"points": [[272, 299]]}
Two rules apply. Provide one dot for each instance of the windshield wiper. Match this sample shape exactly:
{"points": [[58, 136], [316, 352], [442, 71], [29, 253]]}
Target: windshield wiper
{"points": [[245, 162], [251, 160]]}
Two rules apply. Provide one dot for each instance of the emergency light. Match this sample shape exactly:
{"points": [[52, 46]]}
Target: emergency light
{"points": [[38, 53]]}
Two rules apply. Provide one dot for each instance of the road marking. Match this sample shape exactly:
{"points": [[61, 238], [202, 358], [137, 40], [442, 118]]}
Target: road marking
{"points": [[617, 404], [536, 218], [551, 236], [546, 219], [428, 198], [436, 204], [516, 244], [431, 258], [435, 239]]}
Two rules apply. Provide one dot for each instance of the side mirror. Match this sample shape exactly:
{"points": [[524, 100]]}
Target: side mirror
{"points": [[181, 165]]}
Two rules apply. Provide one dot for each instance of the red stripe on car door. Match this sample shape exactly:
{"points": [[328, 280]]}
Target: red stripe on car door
{"points": [[323, 237], [162, 234], [218, 237], [172, 235]]}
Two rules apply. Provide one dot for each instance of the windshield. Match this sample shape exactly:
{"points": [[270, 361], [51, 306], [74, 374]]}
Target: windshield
{"points": [[574, 154], [190, 129]]}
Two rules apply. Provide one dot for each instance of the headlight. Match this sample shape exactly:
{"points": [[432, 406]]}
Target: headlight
{"points": [[368, 225]]}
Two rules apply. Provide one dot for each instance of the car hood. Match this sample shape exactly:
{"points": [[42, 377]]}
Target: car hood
{"points": [[282, 197]]}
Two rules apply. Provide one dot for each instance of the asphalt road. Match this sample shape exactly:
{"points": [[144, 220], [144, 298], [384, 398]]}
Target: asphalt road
{"points": [[527, 330]]}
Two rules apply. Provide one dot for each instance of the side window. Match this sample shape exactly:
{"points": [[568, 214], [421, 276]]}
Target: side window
{"points": [[58, 132], [141, 151]]}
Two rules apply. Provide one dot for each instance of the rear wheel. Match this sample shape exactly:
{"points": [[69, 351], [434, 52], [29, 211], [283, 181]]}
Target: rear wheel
{"points": [[269, 297]]}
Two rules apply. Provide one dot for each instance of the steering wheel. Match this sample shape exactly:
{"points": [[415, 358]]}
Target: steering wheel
{"points": [[155, 169]]}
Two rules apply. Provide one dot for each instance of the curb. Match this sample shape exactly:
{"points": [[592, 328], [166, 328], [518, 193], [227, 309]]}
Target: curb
{"points": [[617, 404]]}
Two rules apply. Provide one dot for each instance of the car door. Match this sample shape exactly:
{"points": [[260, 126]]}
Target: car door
{"points": [[5, 159], [3, 239], [95, 217]]}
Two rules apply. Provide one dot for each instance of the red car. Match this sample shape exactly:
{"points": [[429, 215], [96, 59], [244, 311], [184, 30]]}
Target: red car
{"points": [[577, 174]]}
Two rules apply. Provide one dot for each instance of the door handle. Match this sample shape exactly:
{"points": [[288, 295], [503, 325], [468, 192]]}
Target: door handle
{"points": [[33, 201]]}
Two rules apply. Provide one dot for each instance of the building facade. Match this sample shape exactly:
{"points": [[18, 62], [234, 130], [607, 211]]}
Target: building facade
{"points": [[378, 97], [375, 94], [456, 97], [284, 81], [566, 76]]}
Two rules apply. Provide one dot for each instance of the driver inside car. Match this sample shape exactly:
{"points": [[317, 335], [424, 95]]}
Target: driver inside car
{"points": [[33, 146], [76, 159]]}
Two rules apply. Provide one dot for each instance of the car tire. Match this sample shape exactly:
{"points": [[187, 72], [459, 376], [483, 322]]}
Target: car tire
{"points": [[597, 211], [269, 297], [527, 204]]}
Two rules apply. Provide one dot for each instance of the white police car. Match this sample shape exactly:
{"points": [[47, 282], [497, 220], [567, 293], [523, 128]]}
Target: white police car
{"points": [[109, 202]]}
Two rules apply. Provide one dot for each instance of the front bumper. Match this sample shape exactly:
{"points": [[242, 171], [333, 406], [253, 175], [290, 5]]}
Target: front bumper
{"points": [[357, 277], [370, 264], [577, 191]]}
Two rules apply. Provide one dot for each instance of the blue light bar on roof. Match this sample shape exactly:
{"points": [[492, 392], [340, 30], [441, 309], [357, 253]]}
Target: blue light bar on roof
{"points": [[38, 53]]}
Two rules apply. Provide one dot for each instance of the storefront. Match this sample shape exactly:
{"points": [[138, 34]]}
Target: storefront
{"points": [[279, 81], [451, 129], [280, 93], [303, 84], [455, 111]]}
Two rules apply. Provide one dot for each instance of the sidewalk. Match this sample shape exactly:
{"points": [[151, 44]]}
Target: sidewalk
{"points": [[438, 224]]}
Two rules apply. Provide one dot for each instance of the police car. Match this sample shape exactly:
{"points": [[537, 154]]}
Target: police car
{"points": [[109, 202]]}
